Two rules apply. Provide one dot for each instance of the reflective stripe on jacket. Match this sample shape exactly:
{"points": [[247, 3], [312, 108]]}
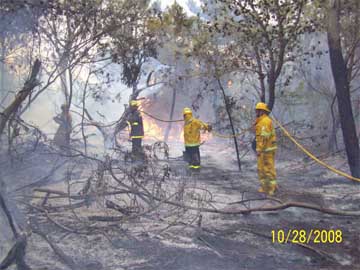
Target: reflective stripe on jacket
{"points": [[136, 125], [265, 134], [192, 129]]}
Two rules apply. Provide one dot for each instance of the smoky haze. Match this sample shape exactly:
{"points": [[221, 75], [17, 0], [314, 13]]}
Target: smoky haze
{"points": [[84, 195]]}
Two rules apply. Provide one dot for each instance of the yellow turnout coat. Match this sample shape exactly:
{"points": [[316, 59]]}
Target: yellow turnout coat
{"points": [[192, 127], [266, 147]]}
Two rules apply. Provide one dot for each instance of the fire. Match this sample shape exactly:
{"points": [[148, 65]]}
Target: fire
{"points": [[144, 103], [152, 130], [155, 130], [181, 137]]}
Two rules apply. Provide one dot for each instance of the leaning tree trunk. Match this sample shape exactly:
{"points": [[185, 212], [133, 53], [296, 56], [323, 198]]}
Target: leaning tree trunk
{"points": [[333, 143], [29, 85], [342, 86], [17, 253], [227, 107]]}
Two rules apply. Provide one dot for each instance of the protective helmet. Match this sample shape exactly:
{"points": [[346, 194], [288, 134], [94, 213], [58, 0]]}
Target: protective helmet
{"points": [[262, 106], [134, 103], [187, 111]]}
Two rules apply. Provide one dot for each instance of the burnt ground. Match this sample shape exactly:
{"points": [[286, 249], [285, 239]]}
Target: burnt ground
{"points": [[171, 239]]}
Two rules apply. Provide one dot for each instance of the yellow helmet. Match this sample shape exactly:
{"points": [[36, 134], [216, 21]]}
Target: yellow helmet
{"points": [[134, 103], [187, 111], [262, 106]]}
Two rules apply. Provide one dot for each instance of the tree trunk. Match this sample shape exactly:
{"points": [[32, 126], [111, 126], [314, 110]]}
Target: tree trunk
{"points": [[17, 253], [231, 123], [342, 86], [83, 118], [333, 143], [29, 85], [260, 74], [271, 93], [2, 68], [168, 128]]}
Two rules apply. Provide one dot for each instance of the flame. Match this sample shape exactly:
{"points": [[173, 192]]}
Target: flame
{"points": [[144, 103], [181, 137], [155, 130], [151, 130]]}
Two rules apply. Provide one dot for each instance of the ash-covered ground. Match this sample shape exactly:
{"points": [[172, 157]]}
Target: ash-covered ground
{"points": [[179, 227]]}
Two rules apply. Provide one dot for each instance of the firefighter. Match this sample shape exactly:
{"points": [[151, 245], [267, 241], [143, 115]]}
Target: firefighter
{"points": [[192, 127], [135, 122], [265, 149]]}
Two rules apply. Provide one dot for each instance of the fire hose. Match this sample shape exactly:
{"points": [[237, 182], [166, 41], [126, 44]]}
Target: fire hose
{"points": [[213, 132], [161, 120], [231, 135], [287, 134], [309, 154], [302, 148]]}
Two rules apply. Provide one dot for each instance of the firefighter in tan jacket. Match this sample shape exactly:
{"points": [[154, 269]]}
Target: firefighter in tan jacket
{"points": [[265, 149], [192, 127]]}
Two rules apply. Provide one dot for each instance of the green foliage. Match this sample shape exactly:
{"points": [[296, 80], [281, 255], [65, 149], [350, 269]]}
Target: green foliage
{"points": [[176, 32], [132, 45], [349, 19], [257, 36]]}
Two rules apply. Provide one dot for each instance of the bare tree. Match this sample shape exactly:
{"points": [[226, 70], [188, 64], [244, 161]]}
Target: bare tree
{"points": [[17, 253]]}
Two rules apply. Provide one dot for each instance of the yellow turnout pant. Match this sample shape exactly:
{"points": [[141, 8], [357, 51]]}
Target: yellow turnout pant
{"points": [[266, 171]]}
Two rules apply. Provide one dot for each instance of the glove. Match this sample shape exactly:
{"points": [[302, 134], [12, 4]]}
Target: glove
{"points": [[209, 128]]}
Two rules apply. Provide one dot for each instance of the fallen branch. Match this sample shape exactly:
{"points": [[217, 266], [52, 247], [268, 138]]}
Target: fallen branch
{"points": [[114, 206], [106, 218], [66, 207], [282, 206], [62, 195], [286, 205], [256, 199]]}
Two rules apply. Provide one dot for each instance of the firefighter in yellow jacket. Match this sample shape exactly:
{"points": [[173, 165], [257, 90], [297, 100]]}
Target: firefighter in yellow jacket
{"points": [[265, 149], [192, 127]]}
